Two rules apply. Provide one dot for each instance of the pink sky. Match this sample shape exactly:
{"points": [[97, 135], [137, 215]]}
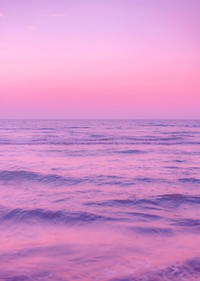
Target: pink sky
{"points": [[99, 59]]}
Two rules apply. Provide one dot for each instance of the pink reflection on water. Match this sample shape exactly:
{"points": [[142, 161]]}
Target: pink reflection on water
{"points": [[99, 200]]}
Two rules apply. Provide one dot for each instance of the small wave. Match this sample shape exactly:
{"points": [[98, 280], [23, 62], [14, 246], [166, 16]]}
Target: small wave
{"points": [[54, 179], [145, 216], [150, 180], [77, 127], [8, 277], [179, 161], [176, 200], [188, 270], [168, 201], [16, 176], [44, 129], [152, 230], [32, 276], [171, 167], [189, 180], [22, 215], [188, 224], [146, 203], [101, 180], [127, 278], [131, 151]]}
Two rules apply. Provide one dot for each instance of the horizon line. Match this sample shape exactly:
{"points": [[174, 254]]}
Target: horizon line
{"points": [[88, 119]]}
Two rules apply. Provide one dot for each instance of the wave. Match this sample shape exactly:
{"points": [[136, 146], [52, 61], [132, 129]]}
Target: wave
{"points": [[187, 224], [89, 142], [144, 216], [152, 230], [55, 137], [9, 277], [38, 215], [16, 176], [34, 275], [164, 201], [176, 200], [188, 270], [150, 180], [190, 180], [131, 151], [54, 179]]}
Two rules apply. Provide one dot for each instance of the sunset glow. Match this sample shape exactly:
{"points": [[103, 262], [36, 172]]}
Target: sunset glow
{"points": [[99, 59]]}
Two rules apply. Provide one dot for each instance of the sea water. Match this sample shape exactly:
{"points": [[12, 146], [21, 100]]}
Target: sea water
{"points": [[110, 200]]}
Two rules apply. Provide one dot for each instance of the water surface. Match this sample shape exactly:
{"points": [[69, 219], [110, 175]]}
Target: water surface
{"points": [[100, 200]]}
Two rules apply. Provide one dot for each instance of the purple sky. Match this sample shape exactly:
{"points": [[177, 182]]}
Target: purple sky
{"points": [[100, 59]]}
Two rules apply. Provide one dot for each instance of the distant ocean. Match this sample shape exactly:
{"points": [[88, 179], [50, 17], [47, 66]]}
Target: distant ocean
{"points": [[104, 200]]}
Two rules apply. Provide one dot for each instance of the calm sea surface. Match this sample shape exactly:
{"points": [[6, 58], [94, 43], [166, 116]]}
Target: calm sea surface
{"points": [[100, 200]]}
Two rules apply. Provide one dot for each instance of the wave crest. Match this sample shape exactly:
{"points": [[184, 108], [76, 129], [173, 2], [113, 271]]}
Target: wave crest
{"points": [[38, 215]]}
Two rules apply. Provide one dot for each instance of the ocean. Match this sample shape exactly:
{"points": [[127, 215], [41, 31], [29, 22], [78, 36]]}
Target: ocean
{"points": [[110, 200]]}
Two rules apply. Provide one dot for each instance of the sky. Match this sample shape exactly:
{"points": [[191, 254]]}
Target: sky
{"points": [[134, 59]]}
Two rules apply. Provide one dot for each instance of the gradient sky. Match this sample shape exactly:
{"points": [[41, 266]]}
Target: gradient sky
{"points": [[99, 59]]}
